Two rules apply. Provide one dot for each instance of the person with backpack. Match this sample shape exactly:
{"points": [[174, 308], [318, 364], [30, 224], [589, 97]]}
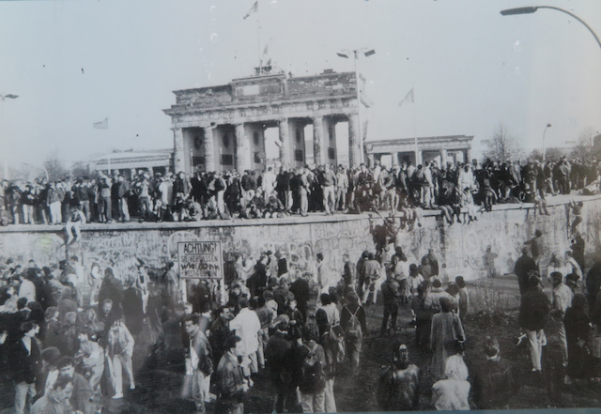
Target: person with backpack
{"points": [[312, 381], [332, 340], [352, 321]]}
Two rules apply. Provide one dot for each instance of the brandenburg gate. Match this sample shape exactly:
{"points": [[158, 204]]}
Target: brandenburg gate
{"points": [[222, 128]]}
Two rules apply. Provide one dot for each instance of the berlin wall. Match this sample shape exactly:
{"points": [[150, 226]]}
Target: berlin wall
{"points": [[460, 247]]}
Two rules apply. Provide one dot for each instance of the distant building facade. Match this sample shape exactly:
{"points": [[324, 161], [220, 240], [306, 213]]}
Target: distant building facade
{"points": [[222, 128], [129, 162], [455, 148]]}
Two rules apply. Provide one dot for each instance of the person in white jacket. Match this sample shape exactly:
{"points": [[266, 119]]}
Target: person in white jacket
{"points": [[119, 350], [247, 326]]}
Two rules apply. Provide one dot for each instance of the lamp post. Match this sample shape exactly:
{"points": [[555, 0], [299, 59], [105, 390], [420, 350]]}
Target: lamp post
{"points": [[5, 141], [533, 9], [346, 54], [544, 132]]}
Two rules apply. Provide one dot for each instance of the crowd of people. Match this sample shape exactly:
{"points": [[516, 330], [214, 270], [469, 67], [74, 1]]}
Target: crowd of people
{"points": [[71, 341], [454, 189]]}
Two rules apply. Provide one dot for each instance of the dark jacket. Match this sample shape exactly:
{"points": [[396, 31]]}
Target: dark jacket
{"points": [[534, 310], [494, 384], [25, 365]]}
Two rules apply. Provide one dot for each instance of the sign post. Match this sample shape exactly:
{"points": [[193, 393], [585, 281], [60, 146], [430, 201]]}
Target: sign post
{"points": [[202, 260]]}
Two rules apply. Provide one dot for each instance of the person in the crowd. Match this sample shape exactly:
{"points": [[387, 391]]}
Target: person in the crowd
{"points": [[119, 349], [562, 300], [354, 326], [523, 266], [452, 392], [247, 326], [90, 356], [372, 273], [398, 385], [495, 380], [464, 299], [533, 316], [199, 364], [231, 384], [391, 295], [578, 332], [593, 282], [56, 401], [278, 355], [312, 382], [447, 337], [220, 332], [25, 363], [82, 391]]}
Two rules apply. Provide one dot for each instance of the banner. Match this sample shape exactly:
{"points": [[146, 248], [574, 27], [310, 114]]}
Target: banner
{"points": [[200, 260]]}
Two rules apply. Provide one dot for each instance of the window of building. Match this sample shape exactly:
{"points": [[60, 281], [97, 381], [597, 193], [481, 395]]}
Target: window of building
{"points": [[226, 140], [256, 138], [332, 153], [196, 161], [227, 159], [299, 134], [299, 156]]}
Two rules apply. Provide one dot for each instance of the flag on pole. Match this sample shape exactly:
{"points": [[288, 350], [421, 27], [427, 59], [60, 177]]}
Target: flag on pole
{"points": [[102, 124], [409, 98], [253, 9]]}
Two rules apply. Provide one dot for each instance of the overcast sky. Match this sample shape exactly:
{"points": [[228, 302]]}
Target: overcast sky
{"points": [[74, 63]]}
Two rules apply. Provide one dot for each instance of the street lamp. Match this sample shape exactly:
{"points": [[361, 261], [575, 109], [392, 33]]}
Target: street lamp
{"points": [[533, 9], [544, 132], [5, 149], [346, 54]]}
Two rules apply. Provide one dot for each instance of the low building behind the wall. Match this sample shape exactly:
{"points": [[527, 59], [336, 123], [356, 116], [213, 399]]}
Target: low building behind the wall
{"points": [[130, 162]]}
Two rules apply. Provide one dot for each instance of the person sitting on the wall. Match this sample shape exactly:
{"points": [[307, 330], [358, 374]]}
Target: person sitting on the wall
{"points": [[73, 226]]}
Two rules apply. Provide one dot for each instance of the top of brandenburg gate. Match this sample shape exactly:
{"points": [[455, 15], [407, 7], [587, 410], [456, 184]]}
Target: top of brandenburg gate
{"points": [[270, 89]]}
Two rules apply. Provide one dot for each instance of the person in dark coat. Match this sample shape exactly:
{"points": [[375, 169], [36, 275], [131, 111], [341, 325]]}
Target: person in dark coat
{"points": [[301, 292], [398, 387], [578, 330], [25, 364], [494, 380], [593, 282], [577, 247], [220, 332], [534, 313], [523, 266], [277, 354]]}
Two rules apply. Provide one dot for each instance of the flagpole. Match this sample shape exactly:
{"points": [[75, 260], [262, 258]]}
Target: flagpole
{"points": [[415, 132], [259, 40]]}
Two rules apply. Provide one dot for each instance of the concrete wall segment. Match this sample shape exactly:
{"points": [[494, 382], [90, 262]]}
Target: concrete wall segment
{"points": [[460, 247]]}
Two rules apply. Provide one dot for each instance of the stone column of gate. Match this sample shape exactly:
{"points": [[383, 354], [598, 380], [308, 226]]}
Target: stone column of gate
{"points": [[179, 161], [355, 143], [319, 148], [242, 149], [443, 158], [285, 157], [209, 145]]}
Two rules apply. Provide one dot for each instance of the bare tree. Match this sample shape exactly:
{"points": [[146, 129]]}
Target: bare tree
{"points": [[80, 169], [583, 151], [55, 167], [552, 154], [503, 146]]}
